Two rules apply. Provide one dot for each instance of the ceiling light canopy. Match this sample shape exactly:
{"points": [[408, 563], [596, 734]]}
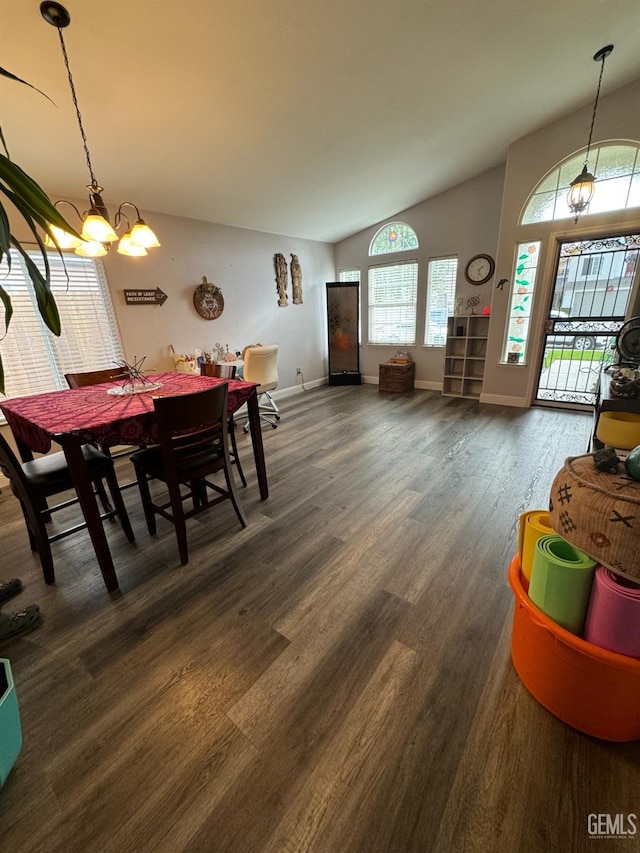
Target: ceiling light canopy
{"points": [[97, 231], [581, 189]]}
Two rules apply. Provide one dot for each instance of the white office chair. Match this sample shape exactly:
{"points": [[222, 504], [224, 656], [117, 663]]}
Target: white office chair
{"points": [[261, 366]]}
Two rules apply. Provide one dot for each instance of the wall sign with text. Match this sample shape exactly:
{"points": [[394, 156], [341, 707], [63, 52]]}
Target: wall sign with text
{"points": [[145, 297]]}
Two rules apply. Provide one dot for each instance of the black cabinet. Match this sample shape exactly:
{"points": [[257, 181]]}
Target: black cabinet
{"points": [[343, 322]]}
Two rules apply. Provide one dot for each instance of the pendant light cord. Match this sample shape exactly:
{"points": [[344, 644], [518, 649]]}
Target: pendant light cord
{"points": [[595, 110], [94, 182]]}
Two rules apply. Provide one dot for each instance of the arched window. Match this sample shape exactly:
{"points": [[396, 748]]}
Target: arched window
{"points": [[395, 237], [615, 164]]}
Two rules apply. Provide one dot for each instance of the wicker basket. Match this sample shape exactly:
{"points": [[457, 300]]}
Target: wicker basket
{"points": [[396, 377]]}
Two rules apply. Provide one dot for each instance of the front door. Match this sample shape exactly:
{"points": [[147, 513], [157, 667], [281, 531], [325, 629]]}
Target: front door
{"points": [[593, 282]]}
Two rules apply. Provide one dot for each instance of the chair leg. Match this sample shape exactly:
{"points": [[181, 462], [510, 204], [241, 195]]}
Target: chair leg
{"points": [[101, 493], [145, 497], [272, 407], [116, 496], [234, 450], [38, 532], [233, 494], [198, 493], [177, 512], [32, 541]]}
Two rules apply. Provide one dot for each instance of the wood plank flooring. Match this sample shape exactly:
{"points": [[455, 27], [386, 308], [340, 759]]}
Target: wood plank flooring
{"points": [[336, 678]]}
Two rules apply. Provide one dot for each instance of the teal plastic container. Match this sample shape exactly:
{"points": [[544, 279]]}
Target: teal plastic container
{"points": [[10, 731]]}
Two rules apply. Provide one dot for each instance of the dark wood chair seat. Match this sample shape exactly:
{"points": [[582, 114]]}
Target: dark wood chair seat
{"points": [[35, 481], [194, 444]]}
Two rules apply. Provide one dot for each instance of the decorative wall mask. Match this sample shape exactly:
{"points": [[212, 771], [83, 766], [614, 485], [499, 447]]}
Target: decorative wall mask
{"points": [[208, 301], [296, 280], [282, 279]]}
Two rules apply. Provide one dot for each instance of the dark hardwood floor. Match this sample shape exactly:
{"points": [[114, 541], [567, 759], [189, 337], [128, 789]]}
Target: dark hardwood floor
{"points": [[335, 678]]}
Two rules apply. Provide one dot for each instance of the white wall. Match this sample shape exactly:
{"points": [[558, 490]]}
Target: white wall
{"points": [[464, 222], [240, 262]]}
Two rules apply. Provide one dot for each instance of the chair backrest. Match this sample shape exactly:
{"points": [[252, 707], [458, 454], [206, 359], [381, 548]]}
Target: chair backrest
{"points": [[94, 377], [261, 366], [12, 470], [193, 429], [222, 371]]}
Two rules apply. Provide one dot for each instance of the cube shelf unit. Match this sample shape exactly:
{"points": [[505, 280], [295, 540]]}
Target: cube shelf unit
{"points": [[465, 354]]}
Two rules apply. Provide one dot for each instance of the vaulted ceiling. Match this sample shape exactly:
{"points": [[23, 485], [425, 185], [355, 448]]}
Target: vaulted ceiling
{"points": [[303, 118]]}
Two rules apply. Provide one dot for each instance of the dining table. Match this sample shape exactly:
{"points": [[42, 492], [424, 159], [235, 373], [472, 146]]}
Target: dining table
{"points": [[114, 413]]}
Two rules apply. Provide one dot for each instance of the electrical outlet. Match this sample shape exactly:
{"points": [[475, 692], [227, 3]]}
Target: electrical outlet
{"points": [[298, 371]]}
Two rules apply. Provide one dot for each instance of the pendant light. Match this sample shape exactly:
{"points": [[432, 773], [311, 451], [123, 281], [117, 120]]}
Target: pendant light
{"points": [[581, 188], [97, 231]]}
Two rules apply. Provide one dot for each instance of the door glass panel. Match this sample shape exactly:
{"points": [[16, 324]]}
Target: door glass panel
{"points": [[590, 297]]}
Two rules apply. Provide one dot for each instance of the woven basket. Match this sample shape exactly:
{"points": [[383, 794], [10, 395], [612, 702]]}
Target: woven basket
{"points": [[599, 513], [396, 377]]}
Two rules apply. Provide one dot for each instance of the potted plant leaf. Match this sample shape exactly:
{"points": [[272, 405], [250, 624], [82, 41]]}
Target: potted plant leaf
{"points": [[38, 212]]}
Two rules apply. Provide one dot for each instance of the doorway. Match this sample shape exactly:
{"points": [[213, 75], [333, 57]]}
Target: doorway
{"points": [[591, 292]]}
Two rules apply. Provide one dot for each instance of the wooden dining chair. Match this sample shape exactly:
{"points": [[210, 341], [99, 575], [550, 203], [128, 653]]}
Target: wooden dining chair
{"points": [[35, 481], [94, 377], [226, 371], [97, 377], [194, 444]]}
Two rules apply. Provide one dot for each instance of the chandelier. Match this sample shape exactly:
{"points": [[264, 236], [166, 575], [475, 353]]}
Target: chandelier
{"points": [[97, 231], [581, 188]]}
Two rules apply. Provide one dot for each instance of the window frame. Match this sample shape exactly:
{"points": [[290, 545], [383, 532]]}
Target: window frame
{"points": [[554, 185], [522, 291], [450, 298], [405, 232], [34, 359], [387, 319]]}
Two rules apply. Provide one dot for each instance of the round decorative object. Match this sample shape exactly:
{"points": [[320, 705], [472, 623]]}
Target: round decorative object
{"points": [[632, 463], [472, 303], [628, 341], [208, 300], [479, 268], [55, 14]]}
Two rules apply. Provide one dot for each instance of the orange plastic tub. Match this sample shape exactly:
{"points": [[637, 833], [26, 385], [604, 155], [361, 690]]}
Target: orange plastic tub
{"points": [[591, 689]]}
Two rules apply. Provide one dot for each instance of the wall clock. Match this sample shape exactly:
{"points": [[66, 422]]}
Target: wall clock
{"points": [[479, 269], [207, 300]]}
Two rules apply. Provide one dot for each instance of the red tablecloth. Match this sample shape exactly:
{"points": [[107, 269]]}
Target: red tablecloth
{"points": [[96, 416]]}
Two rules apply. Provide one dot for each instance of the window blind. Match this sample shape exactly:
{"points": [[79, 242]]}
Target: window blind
{"points": [[441, 293], [34, 360], [349, 275], [392, 293]]}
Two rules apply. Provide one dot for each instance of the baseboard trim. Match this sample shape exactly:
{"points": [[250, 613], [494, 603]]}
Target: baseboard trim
{"points": [[294, 390], [500, 400]]}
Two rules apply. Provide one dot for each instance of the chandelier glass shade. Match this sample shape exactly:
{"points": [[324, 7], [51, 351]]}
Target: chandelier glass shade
{"points": [[97, 231]]}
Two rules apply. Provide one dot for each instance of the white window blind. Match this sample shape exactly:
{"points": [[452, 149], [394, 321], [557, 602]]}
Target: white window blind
{"points": [[392, 292], [441, 294], [34, 360], [349, 275]]}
